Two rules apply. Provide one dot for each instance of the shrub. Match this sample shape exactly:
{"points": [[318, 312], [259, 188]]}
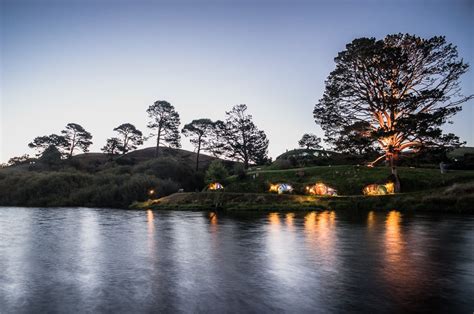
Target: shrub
{"points": [[216, 172]]}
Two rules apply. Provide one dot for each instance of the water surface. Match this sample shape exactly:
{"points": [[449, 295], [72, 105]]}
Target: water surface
{"points": [[85, 260]]}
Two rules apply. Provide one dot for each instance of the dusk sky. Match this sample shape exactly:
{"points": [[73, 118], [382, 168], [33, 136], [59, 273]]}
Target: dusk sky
{"points": [[102, 63]]}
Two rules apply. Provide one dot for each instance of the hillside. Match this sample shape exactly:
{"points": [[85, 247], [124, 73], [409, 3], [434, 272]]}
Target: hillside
{"points": [[95, 179], [348, 180]]}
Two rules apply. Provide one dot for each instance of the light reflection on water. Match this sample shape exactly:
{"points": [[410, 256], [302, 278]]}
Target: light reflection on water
{"points": [[87, 260]]}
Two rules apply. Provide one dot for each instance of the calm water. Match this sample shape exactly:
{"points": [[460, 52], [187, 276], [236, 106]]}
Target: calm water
{"points": [[86, 260]]}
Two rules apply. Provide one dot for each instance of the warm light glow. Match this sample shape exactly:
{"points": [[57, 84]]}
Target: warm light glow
{"points": [[371, 219], [321, 189], [151, 192], [280, 188], [274, 219], [393, 237], [214, 186], [320, 233], [213, 218], [289, 220], [379, 189]]}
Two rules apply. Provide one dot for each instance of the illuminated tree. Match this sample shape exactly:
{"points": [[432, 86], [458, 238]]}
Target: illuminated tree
{"points": [[310, 141], [201, 135], [243, 140], [354, 139], [404, 86], [41, 143], [165, 120], [130, 138], [77, 137]]}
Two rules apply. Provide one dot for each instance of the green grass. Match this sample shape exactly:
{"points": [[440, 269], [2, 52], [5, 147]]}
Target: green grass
{"points": [[457, 198], [348, 180]]}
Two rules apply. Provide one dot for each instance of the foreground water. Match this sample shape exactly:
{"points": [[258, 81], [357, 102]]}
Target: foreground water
{"points": [[83, 260]]}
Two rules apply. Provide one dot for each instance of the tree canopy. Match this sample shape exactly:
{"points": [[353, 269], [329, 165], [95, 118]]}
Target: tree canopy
{"points": [[201, 133], [165, 121], [310, 141], [77, 137], [405, 87], [129, 138], [243, 140], [41, 143]]}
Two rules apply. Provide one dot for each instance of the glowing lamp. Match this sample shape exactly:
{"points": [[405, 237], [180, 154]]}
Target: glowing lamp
{"points": [[379, 189], [214, 186], [280, 188], [321, 189]]}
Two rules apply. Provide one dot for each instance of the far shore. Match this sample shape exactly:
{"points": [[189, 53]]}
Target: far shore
{"points": [[456, 199]]}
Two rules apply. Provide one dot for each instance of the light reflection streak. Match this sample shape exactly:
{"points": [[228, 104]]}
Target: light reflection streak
{"points": [[274, 220], [151, 232], [289, 221], [371, 220], [320, 231], [213, 220], [400, 268]]}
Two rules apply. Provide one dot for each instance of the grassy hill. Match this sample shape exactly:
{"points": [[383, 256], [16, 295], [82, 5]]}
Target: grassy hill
{"points": [[95, 179], [423, 189], [348, 180]]}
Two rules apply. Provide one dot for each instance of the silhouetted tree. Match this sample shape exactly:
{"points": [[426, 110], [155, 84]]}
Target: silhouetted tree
{"points": [[41, 143], [404, 86], [201, 133], [165, 122], [20, 160], [244, 141], [77, 137], [112, 146], [51, 156], [310, 141], [216, 142], [130, 138]]}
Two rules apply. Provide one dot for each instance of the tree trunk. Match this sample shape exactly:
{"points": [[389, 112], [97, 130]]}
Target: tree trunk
{"points": [[246, 163], [197, 157], [125, 144], [393, 157], [157, 148], [72, 145]]}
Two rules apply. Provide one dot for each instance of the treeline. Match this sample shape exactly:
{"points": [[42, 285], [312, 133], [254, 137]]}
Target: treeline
{"points": [[236, 138]]}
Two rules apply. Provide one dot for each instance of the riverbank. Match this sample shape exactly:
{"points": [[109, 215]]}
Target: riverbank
{"points": [[458, 198]]}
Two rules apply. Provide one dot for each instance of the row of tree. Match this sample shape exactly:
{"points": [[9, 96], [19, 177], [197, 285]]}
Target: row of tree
{"points": [[236, 138], [389, 95]]}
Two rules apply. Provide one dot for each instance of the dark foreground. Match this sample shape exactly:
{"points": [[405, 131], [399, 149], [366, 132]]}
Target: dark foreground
{"points": [[86, 260]]}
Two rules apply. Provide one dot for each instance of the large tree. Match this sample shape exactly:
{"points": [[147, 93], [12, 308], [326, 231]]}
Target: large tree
{"points": [[77, 137], [310, 141], [244, 141], [165, 121], [354, 139], [404, 86], [129, 138], [41, 143], [201, 133]]}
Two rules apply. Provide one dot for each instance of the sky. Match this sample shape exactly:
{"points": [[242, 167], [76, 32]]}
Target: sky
{"points": [[102, 63]]}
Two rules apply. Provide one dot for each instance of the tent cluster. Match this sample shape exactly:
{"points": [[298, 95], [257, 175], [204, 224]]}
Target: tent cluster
{"points": [[379, 189], [215, 186], [281, 188], [321, 189]]}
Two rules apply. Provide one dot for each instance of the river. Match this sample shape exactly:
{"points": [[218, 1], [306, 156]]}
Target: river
{"points": [[76, 260]]}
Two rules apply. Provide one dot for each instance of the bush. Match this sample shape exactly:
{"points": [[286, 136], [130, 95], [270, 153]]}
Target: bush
{"points": [[239, 171], [216, 172]]}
